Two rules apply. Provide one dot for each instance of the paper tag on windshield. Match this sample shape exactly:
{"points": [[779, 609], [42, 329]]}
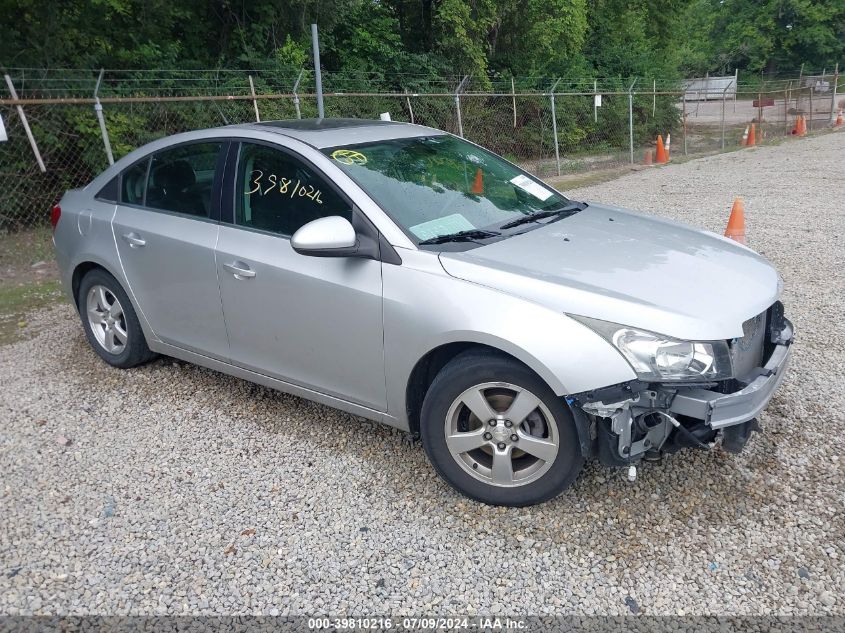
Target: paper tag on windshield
{"points": [[3, 136], [441, 226], [529, 186]]}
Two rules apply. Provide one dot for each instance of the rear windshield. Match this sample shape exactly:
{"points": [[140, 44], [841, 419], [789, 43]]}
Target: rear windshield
{"points": [[439, 185]]}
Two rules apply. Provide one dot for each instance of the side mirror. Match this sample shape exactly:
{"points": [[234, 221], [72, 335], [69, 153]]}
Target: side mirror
{"points": [[332, 236]]}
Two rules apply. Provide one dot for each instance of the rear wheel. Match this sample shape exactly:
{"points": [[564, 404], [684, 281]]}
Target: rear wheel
{"points": [[110, 322], [497, 433]]}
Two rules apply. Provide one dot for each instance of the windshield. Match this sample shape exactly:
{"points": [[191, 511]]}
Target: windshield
{"points": [[441, 185]]}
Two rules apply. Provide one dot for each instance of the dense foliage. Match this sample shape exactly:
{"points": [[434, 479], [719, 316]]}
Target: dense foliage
{"points": [[383, 46], [483, 37]]}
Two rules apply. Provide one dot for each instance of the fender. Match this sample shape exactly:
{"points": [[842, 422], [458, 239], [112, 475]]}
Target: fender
{"points": [[567, 355]]}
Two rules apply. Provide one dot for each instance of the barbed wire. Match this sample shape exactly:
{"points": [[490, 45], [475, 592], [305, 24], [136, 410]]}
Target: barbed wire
{"points": [[79, 82], [548, 126]]}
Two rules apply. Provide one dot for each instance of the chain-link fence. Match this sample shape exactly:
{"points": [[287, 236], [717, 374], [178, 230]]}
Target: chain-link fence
{"points": [[75, 119]]}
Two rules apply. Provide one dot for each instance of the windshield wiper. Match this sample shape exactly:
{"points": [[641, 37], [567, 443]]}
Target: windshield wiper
{"points": [[461, 236], [568, 210]]}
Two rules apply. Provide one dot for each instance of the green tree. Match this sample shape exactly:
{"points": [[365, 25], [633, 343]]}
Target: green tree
{"points": [[769, 35], [631, 38], [460, 31], [538, 37]]}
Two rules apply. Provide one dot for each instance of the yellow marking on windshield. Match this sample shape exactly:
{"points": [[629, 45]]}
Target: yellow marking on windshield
{"points": [[349, 157]]}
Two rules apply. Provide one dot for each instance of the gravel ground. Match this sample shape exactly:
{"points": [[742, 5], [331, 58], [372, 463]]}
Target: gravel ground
{"points": [[174, 489]]}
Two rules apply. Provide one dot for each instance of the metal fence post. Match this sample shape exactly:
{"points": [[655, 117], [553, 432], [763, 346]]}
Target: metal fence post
{"points": [[810, 123], [786, 109], [653, 97], [458, 104], [833, 93], [98, 108], [410, 108], [595, 102], [254, 101], [296, 96], [554, 126], [318, 78], [513, 96], [22, 116], [724, 96], [631, 119], [684, 128], [736, 82]]}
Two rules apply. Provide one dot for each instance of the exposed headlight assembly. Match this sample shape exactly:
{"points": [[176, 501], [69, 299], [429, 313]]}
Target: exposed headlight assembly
{"points": [[658, 357]]}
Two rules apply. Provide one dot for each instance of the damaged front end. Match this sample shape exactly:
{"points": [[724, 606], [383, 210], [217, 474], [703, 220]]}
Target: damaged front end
{"points": [[643, 419]]}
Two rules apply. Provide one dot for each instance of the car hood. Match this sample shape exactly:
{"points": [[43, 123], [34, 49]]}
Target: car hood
{"points": [[616, 265]]}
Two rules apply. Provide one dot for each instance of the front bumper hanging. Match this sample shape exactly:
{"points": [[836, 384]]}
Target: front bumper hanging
{"points": [[720, 410], [636, 418]]}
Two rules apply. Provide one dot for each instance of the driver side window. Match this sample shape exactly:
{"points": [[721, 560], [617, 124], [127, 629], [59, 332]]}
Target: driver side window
{"points": [[278, 193]]}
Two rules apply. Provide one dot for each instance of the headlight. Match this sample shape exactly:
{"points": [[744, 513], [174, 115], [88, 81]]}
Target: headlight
{"points": [[658, 357]]}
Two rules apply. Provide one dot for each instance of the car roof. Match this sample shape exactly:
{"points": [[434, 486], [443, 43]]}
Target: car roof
{"points": [[330, 132]]}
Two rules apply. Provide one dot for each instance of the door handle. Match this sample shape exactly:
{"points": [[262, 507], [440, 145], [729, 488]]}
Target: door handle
{"points": [[134, 241], [240, 270]]}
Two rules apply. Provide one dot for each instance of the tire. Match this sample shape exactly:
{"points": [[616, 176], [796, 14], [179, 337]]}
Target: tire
{"points": [[550, 458], [110, 322]]}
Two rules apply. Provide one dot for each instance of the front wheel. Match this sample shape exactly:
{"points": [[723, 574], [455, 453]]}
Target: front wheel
{"points": [[497, 433]]}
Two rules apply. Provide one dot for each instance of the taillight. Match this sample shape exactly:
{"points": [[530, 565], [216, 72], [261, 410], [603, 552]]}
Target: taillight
{"points": [[55, 214]]}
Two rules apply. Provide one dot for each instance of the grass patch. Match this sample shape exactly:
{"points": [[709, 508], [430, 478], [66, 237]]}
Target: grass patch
{"points": [[585, 179], [17, 302], [25, 248]]}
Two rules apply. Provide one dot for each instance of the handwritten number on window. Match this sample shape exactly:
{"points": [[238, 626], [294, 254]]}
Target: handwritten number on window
{"points": [[256, 181], [281, 185]]}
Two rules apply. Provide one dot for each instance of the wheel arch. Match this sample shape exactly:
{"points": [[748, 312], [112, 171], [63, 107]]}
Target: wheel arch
{"points": [[430, 364], [79, 272], [89, 263]]}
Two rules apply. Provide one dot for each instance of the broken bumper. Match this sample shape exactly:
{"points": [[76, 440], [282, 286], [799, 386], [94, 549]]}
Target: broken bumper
{"points": [[721, 410]]}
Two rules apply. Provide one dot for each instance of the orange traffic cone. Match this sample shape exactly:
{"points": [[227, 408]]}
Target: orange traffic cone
{"points": [[794, 131], [802, 126], [736, 223], [744, 140], [647, 158], [752, 136], [662, 157], [839, 120], [478, 183]]}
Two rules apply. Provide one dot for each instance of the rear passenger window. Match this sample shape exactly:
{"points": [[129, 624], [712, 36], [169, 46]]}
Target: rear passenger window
{"points": [[134, 181], [181, 179], [109, 192], [279, 193]]}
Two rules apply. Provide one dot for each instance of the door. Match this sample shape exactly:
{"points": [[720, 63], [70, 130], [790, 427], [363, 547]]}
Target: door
{"points": [[312, 321], [165, 228]]}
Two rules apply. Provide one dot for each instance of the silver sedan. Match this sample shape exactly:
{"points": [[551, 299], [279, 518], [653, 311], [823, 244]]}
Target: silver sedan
{"points": [[410, 277]]}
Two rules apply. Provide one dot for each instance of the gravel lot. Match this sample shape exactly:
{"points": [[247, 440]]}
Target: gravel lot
{"points": [[174, 489]]}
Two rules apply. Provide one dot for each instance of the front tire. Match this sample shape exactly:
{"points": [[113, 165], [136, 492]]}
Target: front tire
{"points": [[497, 433], [110, 322]]}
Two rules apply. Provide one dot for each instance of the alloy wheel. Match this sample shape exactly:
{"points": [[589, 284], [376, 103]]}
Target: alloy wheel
{"points": [[106, 319], [501, 434]]}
